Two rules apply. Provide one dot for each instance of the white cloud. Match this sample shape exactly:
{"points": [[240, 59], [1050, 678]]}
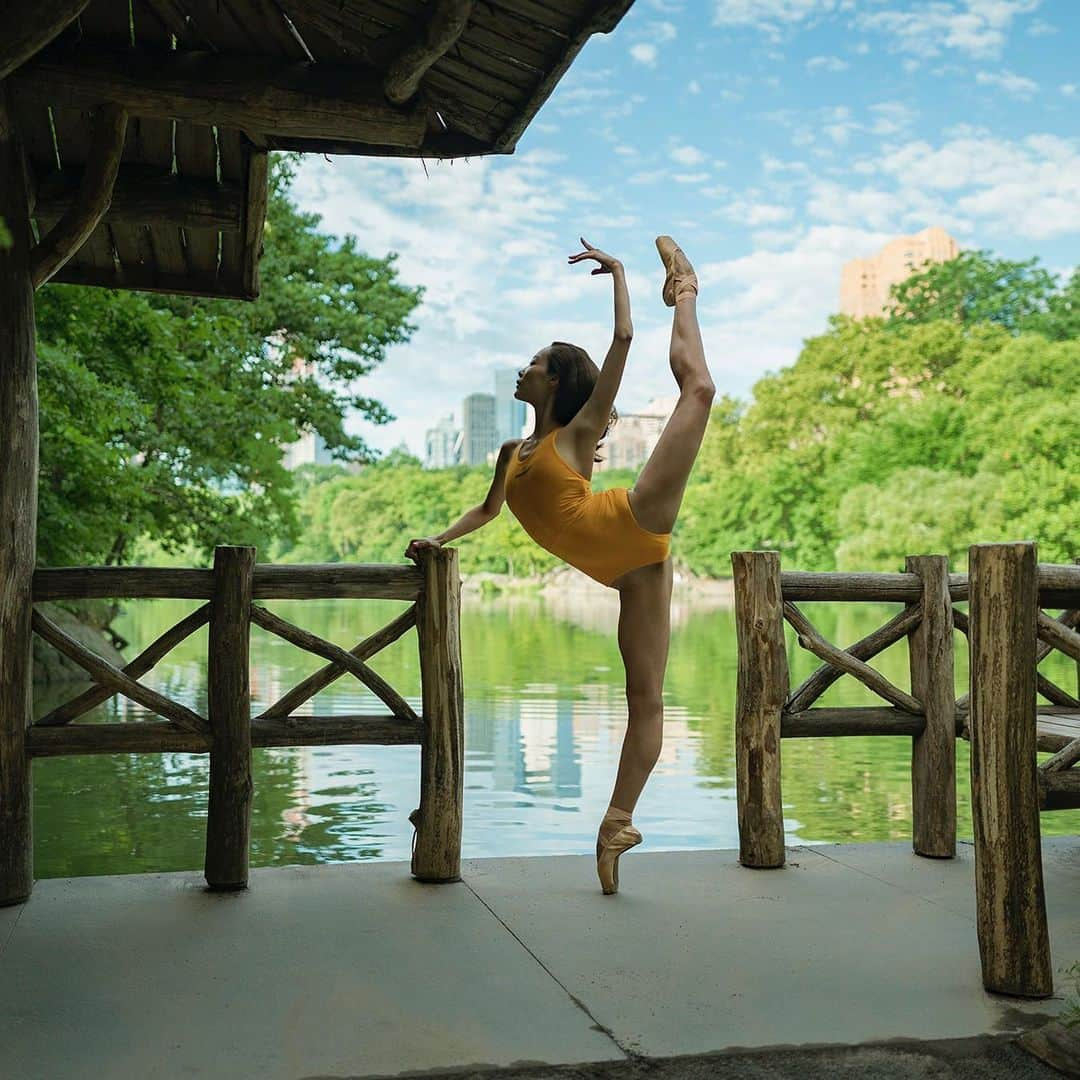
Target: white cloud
{"points": [[661, 31], [693, 87], [1069, 89], [826, 63], [769, 16], [1017, 85], [749, 212], [1041, 28], [687, 155], [473, 234], [974, 182], [978, 28], [891, 117], [644, 53]]}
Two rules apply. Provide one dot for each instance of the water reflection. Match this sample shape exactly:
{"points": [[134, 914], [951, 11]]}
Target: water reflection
{"points": [[544, 720]]}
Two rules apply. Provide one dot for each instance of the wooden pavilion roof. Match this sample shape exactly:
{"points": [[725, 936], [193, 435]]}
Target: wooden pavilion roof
{"points": [[207, 87]]}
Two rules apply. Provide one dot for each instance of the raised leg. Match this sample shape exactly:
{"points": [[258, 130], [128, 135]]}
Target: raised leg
{"points": [[658, 493]]}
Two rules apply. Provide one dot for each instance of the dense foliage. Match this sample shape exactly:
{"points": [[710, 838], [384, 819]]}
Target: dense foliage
{"points": [[164, 416], [952, 421]]}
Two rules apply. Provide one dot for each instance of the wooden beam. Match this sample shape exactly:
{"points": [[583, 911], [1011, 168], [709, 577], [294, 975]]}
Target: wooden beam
{"points": [[441, 33], [142, 196], [258, 194], [603, 21], [18, 518], [29, 25], [250, 93], [95, 193]]}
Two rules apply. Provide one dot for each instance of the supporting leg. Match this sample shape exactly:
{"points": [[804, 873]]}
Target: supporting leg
{"points": [[644, 638], [18, 521]]}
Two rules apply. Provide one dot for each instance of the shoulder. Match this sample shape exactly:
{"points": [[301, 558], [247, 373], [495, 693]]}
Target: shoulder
{"points": [[507, 449]]}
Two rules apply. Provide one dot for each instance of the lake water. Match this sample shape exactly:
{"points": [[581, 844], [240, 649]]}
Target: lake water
{"points": [[545, 712]]}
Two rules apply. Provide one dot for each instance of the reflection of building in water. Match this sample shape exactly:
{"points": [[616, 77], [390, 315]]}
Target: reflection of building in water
{"points": [[632, 437], [865, 283]]}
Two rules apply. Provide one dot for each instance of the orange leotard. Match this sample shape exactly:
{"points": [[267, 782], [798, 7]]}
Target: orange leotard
{"points": [[593, 530]]}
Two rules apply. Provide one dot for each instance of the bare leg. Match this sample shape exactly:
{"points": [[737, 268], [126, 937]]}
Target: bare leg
{"points": [[644, 637], [658, 492]]}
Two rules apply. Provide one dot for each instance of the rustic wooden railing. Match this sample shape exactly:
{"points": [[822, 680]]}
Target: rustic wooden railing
{"points": [[1009, 636], [228, 732]]}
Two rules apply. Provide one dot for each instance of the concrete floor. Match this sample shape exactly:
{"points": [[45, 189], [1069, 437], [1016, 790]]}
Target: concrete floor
{"points": [[359, 971]]}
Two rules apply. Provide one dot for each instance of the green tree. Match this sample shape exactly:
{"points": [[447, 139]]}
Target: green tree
{"points": [[975, 287], [164, 416]]}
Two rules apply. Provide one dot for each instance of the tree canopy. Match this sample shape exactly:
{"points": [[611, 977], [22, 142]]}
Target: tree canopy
{"points": [[164, 416]]}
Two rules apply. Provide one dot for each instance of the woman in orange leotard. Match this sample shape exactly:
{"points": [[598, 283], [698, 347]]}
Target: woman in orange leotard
{"points": [[620, 537]]}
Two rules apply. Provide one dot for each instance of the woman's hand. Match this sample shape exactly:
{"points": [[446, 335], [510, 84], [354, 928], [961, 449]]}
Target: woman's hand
{"points": [[608, 263], [420, 544]]}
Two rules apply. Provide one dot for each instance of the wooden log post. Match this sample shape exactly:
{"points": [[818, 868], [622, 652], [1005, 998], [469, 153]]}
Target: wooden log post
{"points": [[18, 518], [1011, 908], [933, 751], [438, 819], [760, 696], [228, 819]]}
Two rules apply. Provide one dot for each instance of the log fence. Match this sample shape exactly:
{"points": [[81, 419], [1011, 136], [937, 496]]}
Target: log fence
{"points": [[1009, 635], [228, 732]]}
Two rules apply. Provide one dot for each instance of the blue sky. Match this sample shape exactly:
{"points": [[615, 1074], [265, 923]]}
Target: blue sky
{"points": [[774, 139]]}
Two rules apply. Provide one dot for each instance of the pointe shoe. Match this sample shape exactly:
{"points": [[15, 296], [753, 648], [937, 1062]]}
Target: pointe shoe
{"points": [[607, 856], [681, 280]]}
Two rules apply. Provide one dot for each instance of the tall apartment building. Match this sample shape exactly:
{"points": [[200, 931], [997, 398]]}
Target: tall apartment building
{"points": [[442, 444], [509, 412], [865, 283], [478, 423], [633, 436]]}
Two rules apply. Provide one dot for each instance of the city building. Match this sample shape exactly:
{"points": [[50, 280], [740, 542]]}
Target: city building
{"points": [[509, 412], [632, 437], [442, 444], [309, 449], [478, 429], [865, 283]]}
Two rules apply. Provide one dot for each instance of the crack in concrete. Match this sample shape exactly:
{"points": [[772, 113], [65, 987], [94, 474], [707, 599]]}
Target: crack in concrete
{"points": [[631, 1055]]}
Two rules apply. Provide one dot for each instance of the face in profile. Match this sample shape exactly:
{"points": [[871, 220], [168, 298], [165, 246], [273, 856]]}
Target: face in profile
{"points": [[534, 380]]}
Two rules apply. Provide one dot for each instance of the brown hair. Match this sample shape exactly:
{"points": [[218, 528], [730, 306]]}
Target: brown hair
{"points": [[577, 377]]}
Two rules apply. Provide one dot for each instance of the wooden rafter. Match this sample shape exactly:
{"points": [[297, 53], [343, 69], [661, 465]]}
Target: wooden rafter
{"points": [[446, 25], [29, 25], [95, 193], [143, 196], [249, 93]]}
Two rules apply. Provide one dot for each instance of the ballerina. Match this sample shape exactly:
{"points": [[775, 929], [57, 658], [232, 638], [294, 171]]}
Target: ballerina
{"points": [[620, 537]]}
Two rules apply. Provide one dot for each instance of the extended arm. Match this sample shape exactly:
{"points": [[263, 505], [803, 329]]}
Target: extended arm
{"points": [[597, 410], [480, 515]]}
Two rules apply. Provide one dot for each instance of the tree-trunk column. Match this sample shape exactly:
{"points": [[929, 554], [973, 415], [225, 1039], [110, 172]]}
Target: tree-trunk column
{"points": [[760, 697], [438, 819], [933, 753], [228, 818], [1010, 905], [18, 520]]}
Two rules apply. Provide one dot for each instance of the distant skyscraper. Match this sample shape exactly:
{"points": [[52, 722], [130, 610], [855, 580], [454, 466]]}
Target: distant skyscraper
{"points": [[865, 283], [633, 435], [478, 423], [309, 449], [442, 444], [509, 412]]}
